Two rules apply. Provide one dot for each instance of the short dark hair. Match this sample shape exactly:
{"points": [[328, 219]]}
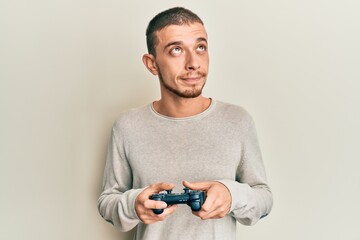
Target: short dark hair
{"points": [[172, 16]]}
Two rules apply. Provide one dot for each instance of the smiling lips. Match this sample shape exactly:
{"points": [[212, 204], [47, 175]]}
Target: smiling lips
{"points": [[193, 78]]}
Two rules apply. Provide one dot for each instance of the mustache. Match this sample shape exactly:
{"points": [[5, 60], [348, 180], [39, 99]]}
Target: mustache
{"points": [[196, 74]]}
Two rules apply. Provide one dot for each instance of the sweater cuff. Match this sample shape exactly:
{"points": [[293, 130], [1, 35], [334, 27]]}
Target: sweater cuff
{"points": [[131, 200], [239, 193]]}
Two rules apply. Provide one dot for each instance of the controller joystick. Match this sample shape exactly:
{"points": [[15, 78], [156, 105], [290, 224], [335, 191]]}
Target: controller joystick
{"points": [[193, 198]]}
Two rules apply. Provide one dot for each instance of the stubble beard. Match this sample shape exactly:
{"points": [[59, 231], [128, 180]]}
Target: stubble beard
{"points": [[189, 93]]}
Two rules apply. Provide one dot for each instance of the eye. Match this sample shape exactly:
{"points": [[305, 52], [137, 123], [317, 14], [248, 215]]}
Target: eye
{"points": [[176, 51], [201, 48]]}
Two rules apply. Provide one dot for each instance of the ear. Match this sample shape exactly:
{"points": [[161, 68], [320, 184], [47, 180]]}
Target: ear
{"points": [[150, 64]]}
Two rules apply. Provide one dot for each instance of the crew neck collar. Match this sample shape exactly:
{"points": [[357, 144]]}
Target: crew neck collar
{"points": [[194, 117]]}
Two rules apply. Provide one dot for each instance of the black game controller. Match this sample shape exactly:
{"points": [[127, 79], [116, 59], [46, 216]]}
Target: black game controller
{"points": [[193, 198]]}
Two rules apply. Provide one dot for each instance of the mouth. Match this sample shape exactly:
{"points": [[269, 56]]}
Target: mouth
{"points": [[191, 81], [192, 78]]}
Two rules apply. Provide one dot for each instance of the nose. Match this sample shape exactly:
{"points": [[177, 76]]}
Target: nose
{"points": [[192, 62]]}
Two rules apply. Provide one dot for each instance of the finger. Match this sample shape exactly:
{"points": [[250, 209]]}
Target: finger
{"points": [[210, 200], [170, 210], [213, 215], [152, 204], [160, 217], [206, 215], [148, 216], [208, 207], [219, 212], [204, 186], [216, 210], [213, 206], [205, 208]]}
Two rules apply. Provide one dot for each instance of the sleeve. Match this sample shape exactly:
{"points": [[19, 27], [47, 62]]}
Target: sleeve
{"points": [[116, 203], [251, 196]]}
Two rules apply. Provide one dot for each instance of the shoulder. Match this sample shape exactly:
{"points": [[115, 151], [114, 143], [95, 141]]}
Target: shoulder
{"points": [[233, 112], [234, 117], [131, 118]]}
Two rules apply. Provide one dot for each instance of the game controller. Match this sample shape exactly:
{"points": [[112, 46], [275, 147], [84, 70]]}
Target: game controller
{"points": [[193, 198]]}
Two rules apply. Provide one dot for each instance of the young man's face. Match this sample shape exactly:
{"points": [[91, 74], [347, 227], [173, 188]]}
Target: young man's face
{"points": [[182, 59]]}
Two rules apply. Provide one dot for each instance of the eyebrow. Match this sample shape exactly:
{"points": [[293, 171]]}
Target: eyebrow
{"points": [[200, 39]]}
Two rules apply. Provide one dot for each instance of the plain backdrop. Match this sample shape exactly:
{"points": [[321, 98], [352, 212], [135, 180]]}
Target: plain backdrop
{"points": [[69, 68]]}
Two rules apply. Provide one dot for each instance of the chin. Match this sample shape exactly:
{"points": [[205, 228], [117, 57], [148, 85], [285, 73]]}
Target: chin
{"points": [[191, 93]]}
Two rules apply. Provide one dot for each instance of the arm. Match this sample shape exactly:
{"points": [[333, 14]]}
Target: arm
{"points": [[249, 203], [247, 198], [121, 205], [251, 196], [116, 202]]}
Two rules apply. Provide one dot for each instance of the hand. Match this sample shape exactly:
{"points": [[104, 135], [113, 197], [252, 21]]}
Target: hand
{"points": [[218, 199], [144, 206]]}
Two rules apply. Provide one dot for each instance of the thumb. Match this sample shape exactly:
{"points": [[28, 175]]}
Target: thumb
{"points": [[197, 185]]}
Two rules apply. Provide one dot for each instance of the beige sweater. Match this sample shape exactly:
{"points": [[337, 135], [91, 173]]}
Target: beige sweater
{"points": [[218, 144]]}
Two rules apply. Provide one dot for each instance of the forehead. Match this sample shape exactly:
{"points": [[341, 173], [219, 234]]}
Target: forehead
{"points": [[184, 33]]}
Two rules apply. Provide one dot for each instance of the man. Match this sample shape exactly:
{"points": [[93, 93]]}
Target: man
{"points": [[183, 140]]}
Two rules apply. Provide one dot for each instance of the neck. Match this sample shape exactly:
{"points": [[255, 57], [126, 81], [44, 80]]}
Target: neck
{"points": [[181, 107]]}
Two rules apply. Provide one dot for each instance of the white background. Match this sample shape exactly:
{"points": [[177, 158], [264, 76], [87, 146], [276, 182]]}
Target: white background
{"points": [[68, 68]]}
